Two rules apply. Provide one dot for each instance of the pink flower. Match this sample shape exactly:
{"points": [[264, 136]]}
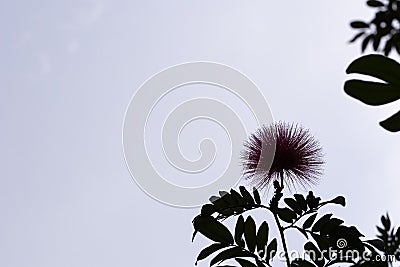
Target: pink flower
{"points": [[297, 158]]}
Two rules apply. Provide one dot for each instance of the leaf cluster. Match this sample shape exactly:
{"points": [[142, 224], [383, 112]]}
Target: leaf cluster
{"points": [[376, 93], [383, 31], [250, 245]]}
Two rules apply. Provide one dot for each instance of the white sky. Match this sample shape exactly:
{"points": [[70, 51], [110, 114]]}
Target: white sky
{"points": [[69, 69]]}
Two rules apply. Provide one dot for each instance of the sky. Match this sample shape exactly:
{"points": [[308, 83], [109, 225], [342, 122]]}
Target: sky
{"points": [[69, 70]]}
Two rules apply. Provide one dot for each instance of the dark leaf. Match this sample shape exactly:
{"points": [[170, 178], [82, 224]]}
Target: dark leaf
{"points": [[377, 66], [286, 215], [392, 123], [212, 229], [256, 196], [262, 238], [358, 35], [228, 198], [301, 201], [372, 93], [230, 253], [322, 242], [272, 249], [209, 250], [376, 42], [314, 253], [382, 231], [331, 225], [194, 234], [321, 222], [365, 42], [375, 3], [238, 197], [386, 222], [250, 233], [389, 44], [224, 203], [239, 230], [387, 49], [292, 203], [245, 263], [246, 195], [240, 200], [377, 243], [214, 199], [207, 209], [312, 201], [351, 235], [222, 193], [340, 200], [225, 211], [310, 220], [359, 24]]}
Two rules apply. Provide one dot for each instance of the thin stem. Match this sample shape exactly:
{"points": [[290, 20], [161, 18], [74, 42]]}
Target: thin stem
{"points": [[280, 228], [293, 224], [311, 211]]}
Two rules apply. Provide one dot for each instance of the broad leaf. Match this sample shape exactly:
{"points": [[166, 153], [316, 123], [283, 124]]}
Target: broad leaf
{"points": [[209, 250], [262, 238], [207, 209], [301, 201], [256, 196], [377, 243], [286, 215], [331, 225], [392, 123], [365, 42], [250, 233], [272, 249], [377, 66], [246, 195], [375, 3], [310, 220], [340, 200], [292, 203], [212, 229], [239, 230], [372, 93], [321, 222], [230, 253]]}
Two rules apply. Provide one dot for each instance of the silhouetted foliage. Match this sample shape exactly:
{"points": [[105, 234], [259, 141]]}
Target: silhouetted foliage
{"points": [[251, 245], [328, 240], [383, 28], [376, 93], [383, 31]]}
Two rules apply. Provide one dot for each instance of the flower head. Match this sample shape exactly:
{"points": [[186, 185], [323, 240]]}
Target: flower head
{"points": [[284, 152]]}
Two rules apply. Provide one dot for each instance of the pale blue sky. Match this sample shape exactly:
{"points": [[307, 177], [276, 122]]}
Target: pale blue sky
{"points": [[69, 69]]}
